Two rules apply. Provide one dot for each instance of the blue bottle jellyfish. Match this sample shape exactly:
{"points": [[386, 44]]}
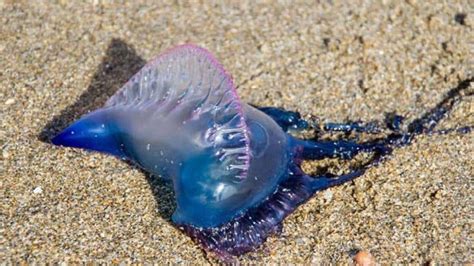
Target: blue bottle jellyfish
{"points": [[234, 168]]}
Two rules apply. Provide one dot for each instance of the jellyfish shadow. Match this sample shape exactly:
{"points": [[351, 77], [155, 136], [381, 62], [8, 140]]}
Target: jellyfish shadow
{"points": [[119, 64]]}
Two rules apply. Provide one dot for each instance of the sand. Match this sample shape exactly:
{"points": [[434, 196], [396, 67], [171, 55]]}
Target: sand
{"points": [[330, 60]]}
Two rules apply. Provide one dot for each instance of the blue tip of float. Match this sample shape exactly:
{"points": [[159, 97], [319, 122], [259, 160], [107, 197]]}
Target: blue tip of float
{"points": [[91, 133]]}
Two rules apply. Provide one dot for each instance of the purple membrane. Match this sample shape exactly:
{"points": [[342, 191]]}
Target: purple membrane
{"points": [[235, 170]]}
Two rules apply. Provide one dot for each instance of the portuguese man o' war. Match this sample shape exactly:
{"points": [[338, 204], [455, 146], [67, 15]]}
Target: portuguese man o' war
{"points": [[235, 169]]}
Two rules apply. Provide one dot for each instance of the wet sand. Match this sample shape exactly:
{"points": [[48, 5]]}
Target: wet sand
{"points": [[333, 61]]}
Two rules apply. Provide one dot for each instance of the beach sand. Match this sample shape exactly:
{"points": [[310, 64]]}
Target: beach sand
{"points": [[330, 60]]}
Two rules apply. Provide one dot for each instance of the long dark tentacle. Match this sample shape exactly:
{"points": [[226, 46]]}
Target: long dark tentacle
{"points": [[424, 124], [316, 150], [427, 122], [323, 182], [392, 122], [348, 127]]}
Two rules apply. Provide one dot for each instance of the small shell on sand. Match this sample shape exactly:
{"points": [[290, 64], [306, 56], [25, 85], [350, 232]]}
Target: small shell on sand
{"points": [[364, 258]]}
